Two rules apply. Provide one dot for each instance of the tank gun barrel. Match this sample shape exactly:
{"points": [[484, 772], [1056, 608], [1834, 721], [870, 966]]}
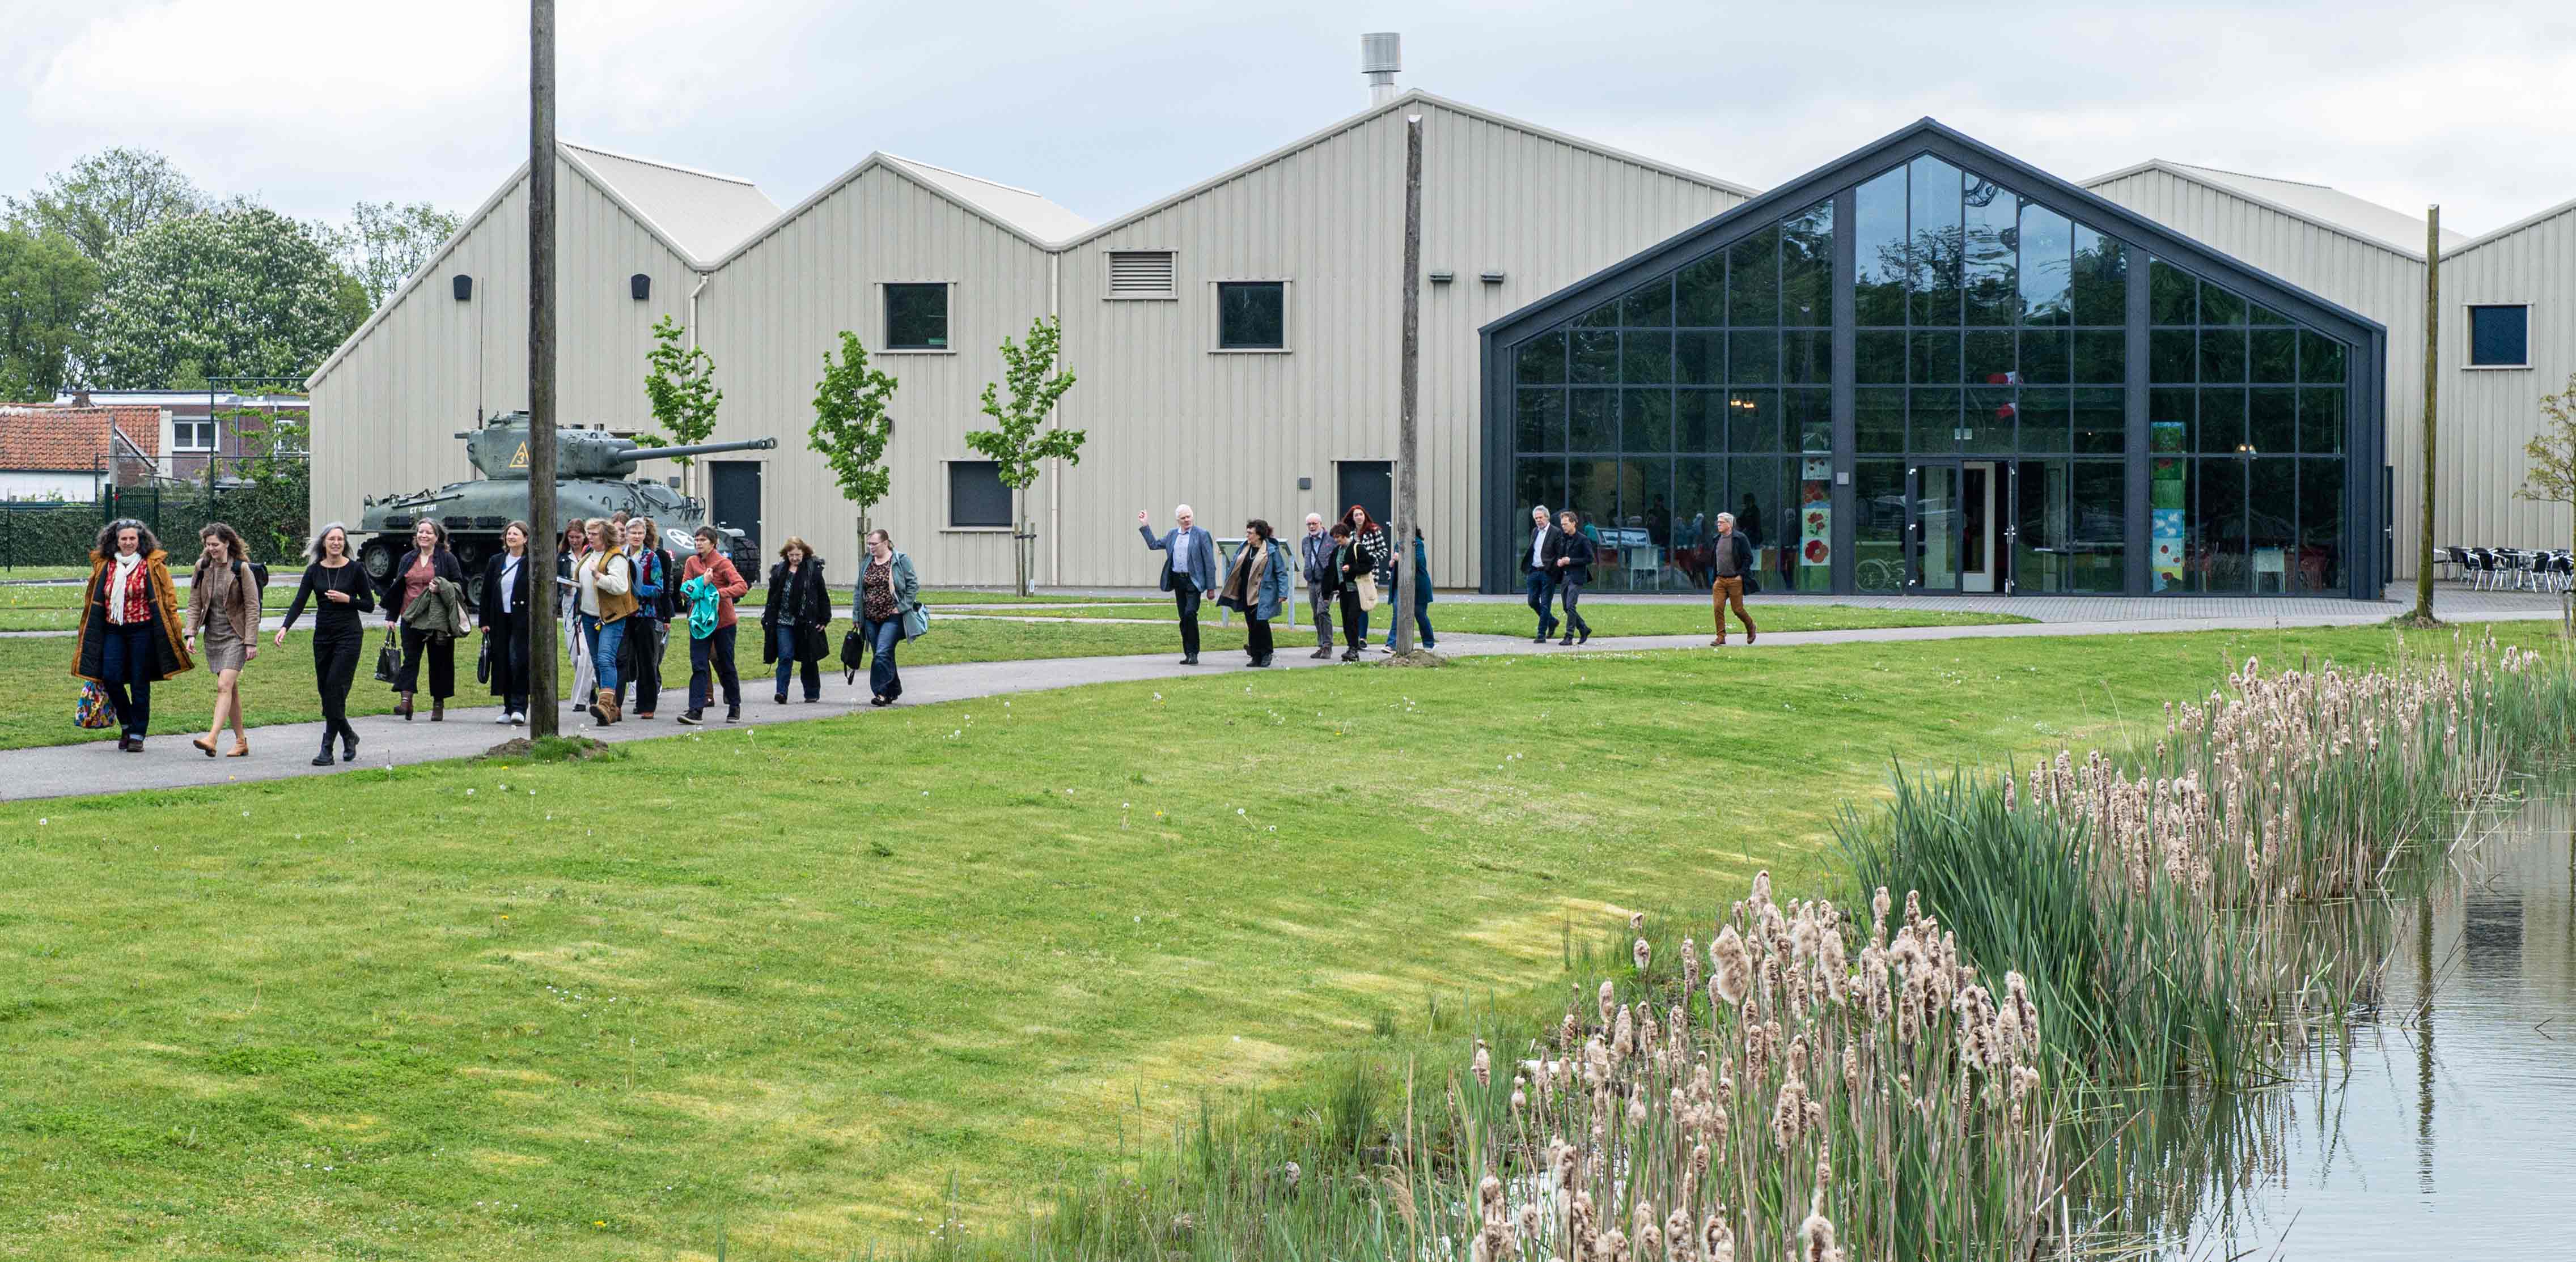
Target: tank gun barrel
{"points": [[694, 449]]}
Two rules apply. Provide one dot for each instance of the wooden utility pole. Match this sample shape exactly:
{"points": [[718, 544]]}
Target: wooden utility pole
{"points": [[2432, 394], [543, 709], [1408, 445]]}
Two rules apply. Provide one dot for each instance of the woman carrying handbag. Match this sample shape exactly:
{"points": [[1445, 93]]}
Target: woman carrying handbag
{"points": [[129, 630], [428, 563]]}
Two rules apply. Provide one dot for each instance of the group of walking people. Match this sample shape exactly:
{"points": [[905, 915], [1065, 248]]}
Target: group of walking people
{"points": [[1559, 566], [1347, 569], [616, 590]]}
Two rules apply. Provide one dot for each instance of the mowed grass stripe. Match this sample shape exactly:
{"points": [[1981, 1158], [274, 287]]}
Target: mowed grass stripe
{"points": [[799, 977]]}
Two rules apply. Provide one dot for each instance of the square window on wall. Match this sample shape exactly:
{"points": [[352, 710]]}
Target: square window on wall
{"points": [[916, 317], [1251, 315], [2500, 337], [977, 499]]}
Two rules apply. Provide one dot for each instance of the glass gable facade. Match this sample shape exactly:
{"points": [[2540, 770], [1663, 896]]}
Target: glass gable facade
{"points": [[1928, 381]]}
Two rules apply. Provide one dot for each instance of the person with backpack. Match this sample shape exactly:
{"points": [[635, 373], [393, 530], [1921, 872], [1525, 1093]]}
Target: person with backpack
{"points": [[657, 594], [337, 585], [709, 585], [793, 621], [223, 613]]}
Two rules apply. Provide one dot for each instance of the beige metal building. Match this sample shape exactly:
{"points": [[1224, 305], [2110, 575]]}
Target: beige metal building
{"points": [[1511, 211], [1175, 407], [2370, 258]]}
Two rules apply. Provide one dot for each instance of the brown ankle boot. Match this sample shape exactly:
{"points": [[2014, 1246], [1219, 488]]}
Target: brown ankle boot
{"points": [[403, 707], [603, 707], [437, 709]]}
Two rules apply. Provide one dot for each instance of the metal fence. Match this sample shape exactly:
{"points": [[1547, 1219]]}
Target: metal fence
{"points": [[271, 513]]}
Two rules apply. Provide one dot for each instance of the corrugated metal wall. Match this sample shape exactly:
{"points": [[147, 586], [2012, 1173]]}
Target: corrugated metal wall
{"points": [[1169, 421], [2488, 414], [384, 416], [2368, 278], [771, 314]]}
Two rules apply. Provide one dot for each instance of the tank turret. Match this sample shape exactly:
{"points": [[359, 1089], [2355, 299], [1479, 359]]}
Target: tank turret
{"points": [[499, 450], [593, 471]]}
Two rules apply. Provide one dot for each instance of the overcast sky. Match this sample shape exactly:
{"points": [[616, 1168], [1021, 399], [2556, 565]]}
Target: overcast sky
{"points": [[313, 104]]}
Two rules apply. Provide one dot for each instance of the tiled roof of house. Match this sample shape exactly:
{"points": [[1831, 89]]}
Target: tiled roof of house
{"points": [[65, 439]]}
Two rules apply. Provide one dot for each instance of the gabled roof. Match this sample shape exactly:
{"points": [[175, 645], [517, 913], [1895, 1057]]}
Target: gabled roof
{"points": [[49, 439], [2518, 225], [1033, 215], [1967, 153], [1409, 99], [704, 214], [2319, 204]]}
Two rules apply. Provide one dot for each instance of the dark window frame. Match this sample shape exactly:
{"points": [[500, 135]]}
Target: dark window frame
{"points": [[945, 343], [1217, 289], [2469, 330], [955, 467]]}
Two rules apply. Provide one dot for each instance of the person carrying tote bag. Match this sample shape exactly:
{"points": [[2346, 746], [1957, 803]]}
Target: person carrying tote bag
{"points": [[130, 634]]}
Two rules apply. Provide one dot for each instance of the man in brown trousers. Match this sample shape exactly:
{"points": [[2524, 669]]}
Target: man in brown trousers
{"points": [[1731, 558]]}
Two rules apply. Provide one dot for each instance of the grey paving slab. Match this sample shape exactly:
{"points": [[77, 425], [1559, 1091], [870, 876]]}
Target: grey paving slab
{"points": [[283, 751]]}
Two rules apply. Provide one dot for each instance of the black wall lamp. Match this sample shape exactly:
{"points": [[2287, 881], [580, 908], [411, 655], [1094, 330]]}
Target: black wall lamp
{"points": [[464, 287], [639, 286]]}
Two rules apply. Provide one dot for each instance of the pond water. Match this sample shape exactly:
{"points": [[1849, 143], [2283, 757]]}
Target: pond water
{"points": [[2445, 1124]]}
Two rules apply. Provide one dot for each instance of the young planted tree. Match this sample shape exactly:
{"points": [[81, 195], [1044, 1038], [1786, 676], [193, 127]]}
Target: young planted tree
{"points": [[681, 385], [2551, 478], [851, 428], [1021, 438]]}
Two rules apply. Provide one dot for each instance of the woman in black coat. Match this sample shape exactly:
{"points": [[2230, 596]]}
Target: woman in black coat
{"points": [[507, 588], [792, 623], [427, 562], [1570, 554]]}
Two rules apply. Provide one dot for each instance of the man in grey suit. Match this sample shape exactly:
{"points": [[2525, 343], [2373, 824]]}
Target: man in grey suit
{"points": [[1315, 557], [1189, 569]]}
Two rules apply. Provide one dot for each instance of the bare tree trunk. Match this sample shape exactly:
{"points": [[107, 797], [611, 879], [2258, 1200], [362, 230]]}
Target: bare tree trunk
{"points": [[2432, 392], [543, 711], [1407, 431]]}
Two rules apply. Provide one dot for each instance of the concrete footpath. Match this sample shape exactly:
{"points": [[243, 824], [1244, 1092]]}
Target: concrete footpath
{"points": [[285, 750]]}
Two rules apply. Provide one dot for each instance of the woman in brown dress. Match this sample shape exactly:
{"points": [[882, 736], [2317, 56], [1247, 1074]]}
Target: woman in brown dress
{"points": [[223, 611]]}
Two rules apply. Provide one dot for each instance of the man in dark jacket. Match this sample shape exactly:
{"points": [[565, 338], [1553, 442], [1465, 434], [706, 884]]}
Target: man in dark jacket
{"points": [[1731, 559], [1538, 573], [1569, 557], [1315, 562], [1189, 569]]}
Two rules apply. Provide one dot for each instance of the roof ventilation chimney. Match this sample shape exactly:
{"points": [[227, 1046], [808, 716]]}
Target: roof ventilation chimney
{"points": [[1381, 55]]}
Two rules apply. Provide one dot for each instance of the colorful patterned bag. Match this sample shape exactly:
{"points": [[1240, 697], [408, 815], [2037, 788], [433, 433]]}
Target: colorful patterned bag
{"points": [[93, 711]]}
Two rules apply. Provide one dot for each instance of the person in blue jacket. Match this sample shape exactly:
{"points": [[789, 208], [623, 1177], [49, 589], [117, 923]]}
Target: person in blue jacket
{"points": [[1189, 571], [1421, 597]]}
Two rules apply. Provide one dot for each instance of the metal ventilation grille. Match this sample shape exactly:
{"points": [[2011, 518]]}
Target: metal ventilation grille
{"points": [[1140, 274]]}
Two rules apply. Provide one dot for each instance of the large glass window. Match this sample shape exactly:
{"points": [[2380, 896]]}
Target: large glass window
{"points": [[2239, 389], [1989, 329]]}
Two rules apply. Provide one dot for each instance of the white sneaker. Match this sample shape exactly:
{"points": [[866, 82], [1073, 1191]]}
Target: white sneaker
{"points": [[519, 719], [503, 718]]}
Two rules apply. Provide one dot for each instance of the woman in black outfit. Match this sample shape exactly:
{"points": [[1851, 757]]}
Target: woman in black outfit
{"points": [[1570, 553], [506, 585], [792, 623], [340, 591]]}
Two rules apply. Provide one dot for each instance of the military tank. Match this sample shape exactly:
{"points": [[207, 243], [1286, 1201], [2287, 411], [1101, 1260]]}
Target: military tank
{"points": [[592, 469]]}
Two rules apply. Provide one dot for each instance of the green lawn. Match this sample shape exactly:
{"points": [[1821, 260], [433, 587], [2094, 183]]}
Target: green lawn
{"points": [[797, 979], [24, 572], [37, 691], [1608, 617], [56, 607]]}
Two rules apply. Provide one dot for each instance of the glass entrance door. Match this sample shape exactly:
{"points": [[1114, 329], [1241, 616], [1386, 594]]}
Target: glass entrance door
{"points": [[1933, 527]]}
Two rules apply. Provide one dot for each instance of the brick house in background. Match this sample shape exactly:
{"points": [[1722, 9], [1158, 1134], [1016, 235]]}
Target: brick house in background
{"points": [[196, 425], [56, 452]]}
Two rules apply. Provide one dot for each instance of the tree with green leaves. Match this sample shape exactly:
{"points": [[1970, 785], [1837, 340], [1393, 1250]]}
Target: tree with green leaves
{"points": [[2551, 477], [109, 196], [45, 285], [680, 382], [240, 292], [851, 428], [1021, 439], [384, 243]]}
